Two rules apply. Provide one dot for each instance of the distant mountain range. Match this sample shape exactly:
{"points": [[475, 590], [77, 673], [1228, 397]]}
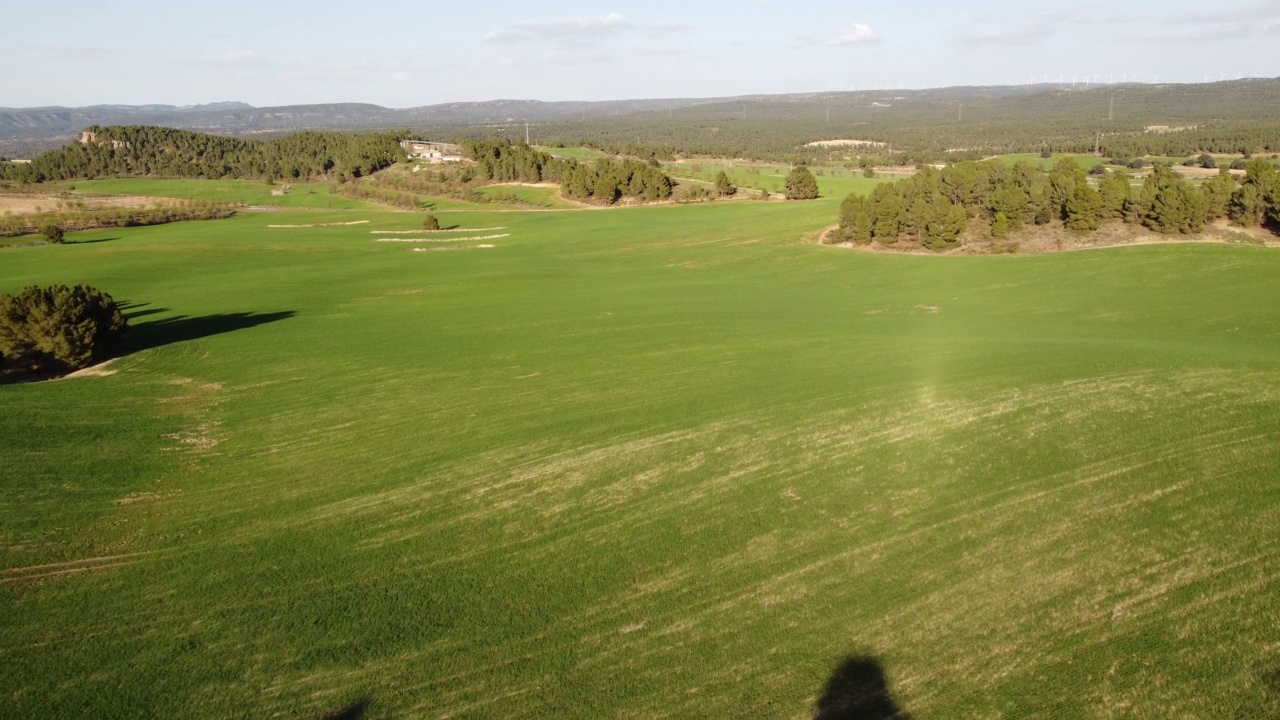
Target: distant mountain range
{"points": [[29, 130], [44, 127]]}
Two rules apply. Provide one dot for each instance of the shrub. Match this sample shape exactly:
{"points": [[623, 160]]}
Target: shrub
{"points": [[52, 233], [430, 222], [1046, 153], [58, 329]]}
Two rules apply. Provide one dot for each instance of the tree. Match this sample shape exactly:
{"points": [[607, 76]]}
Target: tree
{"points": [[1084, 209], [1169, 205], [1000, 226], [888, 213], [801, 185], [1218, 192], [1258, 198], [855, 219], [1114, 191], [946, 223], [52, 233], [58, 328], [430, 222], [724, 188]]}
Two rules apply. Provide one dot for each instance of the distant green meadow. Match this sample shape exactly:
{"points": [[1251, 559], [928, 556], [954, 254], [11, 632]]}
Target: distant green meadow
{"points": [[525, 195], [580, 153], [674, 461], [833, 183], [1034, 159]]}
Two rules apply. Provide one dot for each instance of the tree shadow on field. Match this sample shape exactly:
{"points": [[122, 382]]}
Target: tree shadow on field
{"points": [[166, 331], [354, 711], [858, 690]]}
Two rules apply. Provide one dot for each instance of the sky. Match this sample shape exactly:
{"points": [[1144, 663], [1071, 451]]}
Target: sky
{"points": [[408, 54]]}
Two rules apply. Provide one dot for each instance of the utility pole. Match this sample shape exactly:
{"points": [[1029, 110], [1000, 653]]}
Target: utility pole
{"points": [[1097, 141]]}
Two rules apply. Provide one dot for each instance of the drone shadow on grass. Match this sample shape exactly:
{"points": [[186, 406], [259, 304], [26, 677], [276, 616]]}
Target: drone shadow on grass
{"points": [[354, 711], [858, 690], [180, 328]]}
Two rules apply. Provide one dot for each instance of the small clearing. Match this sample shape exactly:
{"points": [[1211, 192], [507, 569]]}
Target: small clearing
{"points": [[843, 143]]}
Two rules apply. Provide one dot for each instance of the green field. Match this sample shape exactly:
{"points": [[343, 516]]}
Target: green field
{"points": [[531, 196], [581, 153], [774, 177], [671, 461], [1084, 161]]}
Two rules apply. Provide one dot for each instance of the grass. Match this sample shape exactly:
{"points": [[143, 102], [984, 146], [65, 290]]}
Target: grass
{"points": [[524, 196], [667, 461], [581, 153], [774, 177], [1085, 161]]}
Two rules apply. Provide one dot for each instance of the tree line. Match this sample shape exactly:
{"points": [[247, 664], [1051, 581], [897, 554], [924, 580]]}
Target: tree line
{"points": [[148, 151], [72, 220], [56, 329], [934, 207]]}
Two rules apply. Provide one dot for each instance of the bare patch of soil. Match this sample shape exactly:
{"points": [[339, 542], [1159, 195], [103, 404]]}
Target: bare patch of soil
{"points": [[99, 370]]}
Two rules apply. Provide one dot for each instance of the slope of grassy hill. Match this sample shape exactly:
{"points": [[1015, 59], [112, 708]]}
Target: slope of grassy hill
{"points": [[666, 461]]}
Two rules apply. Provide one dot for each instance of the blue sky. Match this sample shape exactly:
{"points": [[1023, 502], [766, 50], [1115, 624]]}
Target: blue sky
{"points": [[402, 54]]}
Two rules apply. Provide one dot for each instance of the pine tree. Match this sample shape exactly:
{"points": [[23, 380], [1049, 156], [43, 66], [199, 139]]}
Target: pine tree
{"points": [[58, 328], [801, 185], [1000, 226], [724, 188], [1084, 209]]}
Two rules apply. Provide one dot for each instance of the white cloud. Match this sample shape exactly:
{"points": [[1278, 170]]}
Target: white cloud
{"points": [[1041, 24], [564, 30], [234, 57], [658, 30], [855, 34], [1220, 23], [1251, 12]]}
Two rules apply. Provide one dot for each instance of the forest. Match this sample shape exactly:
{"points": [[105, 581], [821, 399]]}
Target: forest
{"points": [[148, 151], [934, 206]]}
